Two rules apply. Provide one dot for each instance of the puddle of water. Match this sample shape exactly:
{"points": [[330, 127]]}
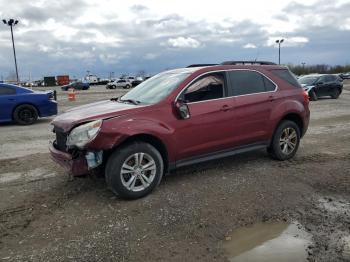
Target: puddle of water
{"points": [[268, 242]]}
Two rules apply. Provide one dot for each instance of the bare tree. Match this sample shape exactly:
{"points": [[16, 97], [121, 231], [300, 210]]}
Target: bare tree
{"points": [[11, 77], [141, 73]]}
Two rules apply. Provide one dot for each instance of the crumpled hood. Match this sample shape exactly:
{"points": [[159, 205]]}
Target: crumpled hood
{"points": [[99, 110]]}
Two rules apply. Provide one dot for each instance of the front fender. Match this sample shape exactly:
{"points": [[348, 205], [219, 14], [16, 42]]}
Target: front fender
{"points": [[115, 131]]}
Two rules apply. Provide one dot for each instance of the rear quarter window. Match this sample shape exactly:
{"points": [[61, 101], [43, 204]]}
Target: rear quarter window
{"points": [[244, 82], [287, 76]]}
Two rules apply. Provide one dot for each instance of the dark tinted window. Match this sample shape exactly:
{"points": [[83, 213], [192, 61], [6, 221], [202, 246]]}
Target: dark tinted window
{"points": [[246, 82], [286, 76], [205, 88], [329, 79], [5, 90], [322, 79]]}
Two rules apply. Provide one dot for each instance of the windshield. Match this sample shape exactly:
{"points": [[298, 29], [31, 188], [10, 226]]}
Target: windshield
{"points": [[156, 88], [308, 80]]}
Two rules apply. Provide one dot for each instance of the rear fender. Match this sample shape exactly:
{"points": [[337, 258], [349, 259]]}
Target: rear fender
{"points": [[287, 107]]}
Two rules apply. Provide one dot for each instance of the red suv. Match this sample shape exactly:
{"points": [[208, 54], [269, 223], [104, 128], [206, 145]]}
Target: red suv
{"points": [[181, 117]]}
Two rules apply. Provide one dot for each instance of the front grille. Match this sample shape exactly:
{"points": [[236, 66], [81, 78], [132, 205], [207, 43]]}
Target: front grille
{"points": [[61, 139]]}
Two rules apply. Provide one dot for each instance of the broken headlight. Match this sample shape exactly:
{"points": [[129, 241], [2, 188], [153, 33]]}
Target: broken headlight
{"points": [[84, 134]]}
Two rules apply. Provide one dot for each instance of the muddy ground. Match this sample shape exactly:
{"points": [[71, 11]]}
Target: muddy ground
{"points": [[46, 217]]}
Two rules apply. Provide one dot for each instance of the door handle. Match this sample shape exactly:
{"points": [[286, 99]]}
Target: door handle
{"points": [[225, 108], [11, 99], [271, 98]]}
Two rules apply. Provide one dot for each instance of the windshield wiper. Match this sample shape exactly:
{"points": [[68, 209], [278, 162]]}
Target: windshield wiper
{"points": [[135, 102], [118, 99]]}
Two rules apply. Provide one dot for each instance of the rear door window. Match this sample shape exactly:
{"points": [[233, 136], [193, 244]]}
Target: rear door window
{"points": [[6, 90], [244, 82]]}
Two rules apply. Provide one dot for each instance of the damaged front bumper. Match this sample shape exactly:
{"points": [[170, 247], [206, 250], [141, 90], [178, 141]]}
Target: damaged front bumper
{"points": [[79, 165]]}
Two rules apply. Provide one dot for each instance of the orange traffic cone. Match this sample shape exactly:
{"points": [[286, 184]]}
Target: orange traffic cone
{"points": [[71, 94]]}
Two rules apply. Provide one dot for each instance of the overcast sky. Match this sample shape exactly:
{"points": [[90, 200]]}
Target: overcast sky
{"points": [[102, 36]]}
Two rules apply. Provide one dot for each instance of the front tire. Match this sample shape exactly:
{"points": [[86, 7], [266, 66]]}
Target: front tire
{"points": [[335, 94], [25, 115], [285, 141], [134, 170], [313, 95]]}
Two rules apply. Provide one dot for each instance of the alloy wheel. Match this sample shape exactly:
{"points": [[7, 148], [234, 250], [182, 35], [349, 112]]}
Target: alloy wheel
{"points": [[138, 172], [288, 140]]}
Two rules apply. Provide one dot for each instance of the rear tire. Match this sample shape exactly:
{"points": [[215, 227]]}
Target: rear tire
{"points": [[313, 96], [134, 170], [25, 115], [285, 141], [335, 94]]}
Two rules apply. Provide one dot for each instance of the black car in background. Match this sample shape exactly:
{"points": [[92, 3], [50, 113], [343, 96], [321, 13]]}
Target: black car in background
{"points": [[76, 86], [320, 85]]}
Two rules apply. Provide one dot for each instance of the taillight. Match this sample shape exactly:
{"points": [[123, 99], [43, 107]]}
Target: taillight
{"points": [[306, 97], [53, 95]]}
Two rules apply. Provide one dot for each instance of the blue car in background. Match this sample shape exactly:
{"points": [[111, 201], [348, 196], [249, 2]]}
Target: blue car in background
{"points": [[23, 105]]}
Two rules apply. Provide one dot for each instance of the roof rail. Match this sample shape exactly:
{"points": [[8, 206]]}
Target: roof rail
{"points": [[199, 65], [247, 63]]}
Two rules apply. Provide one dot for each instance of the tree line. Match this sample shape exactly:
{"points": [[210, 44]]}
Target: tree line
{"points": [[321, 69]]}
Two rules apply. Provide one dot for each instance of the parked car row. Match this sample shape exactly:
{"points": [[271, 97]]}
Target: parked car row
{"points": [[320, 85], [345, 75]]}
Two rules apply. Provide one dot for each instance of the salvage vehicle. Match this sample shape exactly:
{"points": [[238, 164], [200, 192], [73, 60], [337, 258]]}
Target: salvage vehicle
{"points": [[112, 84], [124, 83], [76, 86], [320, 85], [182, 117], [345, 75], [25, 106]]}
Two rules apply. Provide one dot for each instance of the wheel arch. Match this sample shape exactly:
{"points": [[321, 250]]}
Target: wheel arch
{"points": [[296, 118], [152, 140]]}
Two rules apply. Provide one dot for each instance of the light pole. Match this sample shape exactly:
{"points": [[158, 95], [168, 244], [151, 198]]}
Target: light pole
{"points": [[279, 42], [11, 23]]}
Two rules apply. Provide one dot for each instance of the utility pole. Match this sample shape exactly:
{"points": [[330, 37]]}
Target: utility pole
{"points": [[11, 23], [279, 42]]}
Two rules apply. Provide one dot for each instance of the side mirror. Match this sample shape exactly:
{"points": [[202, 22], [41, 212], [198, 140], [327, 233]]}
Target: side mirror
{"points": [[182, 109], [320, 83]]}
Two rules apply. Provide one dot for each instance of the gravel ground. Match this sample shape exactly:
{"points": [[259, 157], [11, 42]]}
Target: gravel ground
{"points": [[46, 217]]}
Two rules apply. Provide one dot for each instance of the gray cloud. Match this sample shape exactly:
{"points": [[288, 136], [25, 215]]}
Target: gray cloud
{"points": [[119, 46], [139, 8]]}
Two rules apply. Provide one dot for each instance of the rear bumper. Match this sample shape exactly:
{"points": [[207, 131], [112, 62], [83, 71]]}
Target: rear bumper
{"points": [[76, 167], [49, 109]]}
